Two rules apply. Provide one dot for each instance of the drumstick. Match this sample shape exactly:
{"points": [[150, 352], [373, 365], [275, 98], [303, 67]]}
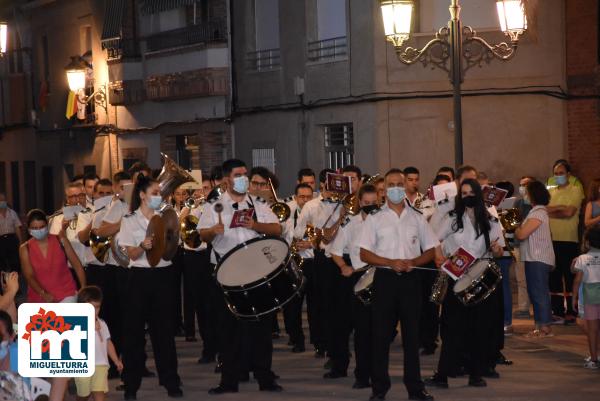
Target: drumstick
{"points": [[219, 210]]}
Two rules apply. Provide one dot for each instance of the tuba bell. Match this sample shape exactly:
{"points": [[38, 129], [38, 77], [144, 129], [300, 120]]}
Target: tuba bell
{"points": [[281, 210], [100, 246], [510, 219], [189, 231], [172, 177]]}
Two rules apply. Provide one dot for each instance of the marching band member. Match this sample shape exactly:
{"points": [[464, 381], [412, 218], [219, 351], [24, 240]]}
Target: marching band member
{"points": [[89, 183], [316, 212], [307, 176], [395, 239], [199, 286], [237, 334], [341, 294], [292, 312], [349, 310], [380, 185], [448, 172], [471, 227], [149, 297]]}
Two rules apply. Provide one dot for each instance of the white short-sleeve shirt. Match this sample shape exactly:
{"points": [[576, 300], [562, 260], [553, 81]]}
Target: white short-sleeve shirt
{"points": [[232, 237], [319, 212], [397, 237], [289, 226], [9, 223], [589, 264], [102, 337], [347, 240], [132, 233], [116, 210], [467, 236]]}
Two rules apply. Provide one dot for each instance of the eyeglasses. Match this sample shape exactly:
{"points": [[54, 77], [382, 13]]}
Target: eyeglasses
{"points": [[259, 184], [76, 196]]}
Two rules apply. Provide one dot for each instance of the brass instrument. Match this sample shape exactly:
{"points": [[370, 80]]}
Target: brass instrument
{"points": [[281, 210], [172, 177], [311, 234], [328, 234], [100, 246], [189, 231], [510, 219], [439, 289], [192, 203], [216, 192]]}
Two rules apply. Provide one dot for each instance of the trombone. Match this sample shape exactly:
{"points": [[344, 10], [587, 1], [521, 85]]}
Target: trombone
{"points": [[281, 210]]}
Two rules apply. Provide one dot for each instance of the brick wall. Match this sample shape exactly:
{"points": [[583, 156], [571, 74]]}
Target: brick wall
{"points": [[583, 78]]}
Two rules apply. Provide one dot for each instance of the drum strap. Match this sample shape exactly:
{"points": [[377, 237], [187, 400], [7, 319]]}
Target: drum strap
{"points": [[250, 204]]}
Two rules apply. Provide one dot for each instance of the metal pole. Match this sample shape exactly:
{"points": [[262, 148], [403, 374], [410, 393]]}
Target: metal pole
{"points": [[456, 78]]}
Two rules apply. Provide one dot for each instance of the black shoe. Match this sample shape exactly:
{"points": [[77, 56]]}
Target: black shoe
{"points": [[180, 332], [333, 374], [175, 392], [491, 373], [436, 381], [275, 335], [503, 361], [120, 387], [319, 352], [244, 377], [427, 351], [359, 385], [206, 359], [477, 382], [298, 348], [191, 339], [377, 397], [129, 396], [221, 389], [219, 367], [272, 387], [328, 365], [290, 342], [420, 395], [148, 373]]}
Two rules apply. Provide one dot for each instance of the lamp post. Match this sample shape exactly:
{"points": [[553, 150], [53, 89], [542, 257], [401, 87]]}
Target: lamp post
{"points": [[455, 48], [76, 72], [3, 37]]}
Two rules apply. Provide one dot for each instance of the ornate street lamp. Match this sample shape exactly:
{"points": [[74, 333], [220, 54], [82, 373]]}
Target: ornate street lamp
{"points": [[455, 49], [76, 72], [3, 37]]}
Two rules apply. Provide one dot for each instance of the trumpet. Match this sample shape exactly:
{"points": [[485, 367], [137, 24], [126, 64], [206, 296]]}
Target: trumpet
{"points": [[311, 234], [281, 210], [192, 203], [189, 231]]}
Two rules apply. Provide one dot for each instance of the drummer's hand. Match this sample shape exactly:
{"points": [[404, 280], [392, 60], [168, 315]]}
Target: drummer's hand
{"points": [[397, 265], [248, 224], [346, 270], [146, 244], [218, 229], [302, 245], [496, 248]]}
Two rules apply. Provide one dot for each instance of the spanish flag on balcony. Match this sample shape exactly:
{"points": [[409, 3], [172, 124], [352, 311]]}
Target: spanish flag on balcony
{"points": [[71, 105]]}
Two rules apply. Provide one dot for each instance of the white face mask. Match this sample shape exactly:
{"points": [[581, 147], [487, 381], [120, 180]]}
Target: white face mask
{"points": [[240, 184], [154, 202]]}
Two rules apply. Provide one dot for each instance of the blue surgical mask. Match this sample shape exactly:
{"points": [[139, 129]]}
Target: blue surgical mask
{"points": [[40, 233], [522, 191], [155, 202], [526, 200], [3, 205], [395, 194], [560, 179], [240, 184]]}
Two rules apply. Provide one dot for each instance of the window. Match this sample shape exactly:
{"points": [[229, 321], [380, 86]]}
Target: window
{"points": [[264, 157], [48, 188], [331, 43], [30, 178], [339, 145], [183, 154], [89, 169], [266, 28]]}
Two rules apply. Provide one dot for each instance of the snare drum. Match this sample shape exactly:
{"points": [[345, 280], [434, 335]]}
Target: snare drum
{"points": [[258, 277], [476, 284], [363, 289]]}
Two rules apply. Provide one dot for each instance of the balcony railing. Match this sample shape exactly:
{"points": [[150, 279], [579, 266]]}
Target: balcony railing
{"points": [[213, 31], [263, 60], [126, 92], [328, 49], [188, 84], [123, 49]]}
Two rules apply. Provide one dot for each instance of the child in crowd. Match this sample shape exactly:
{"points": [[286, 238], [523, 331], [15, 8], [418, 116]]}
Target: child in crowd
{"points": [[587, 269], [97, 385], [6, 339]]}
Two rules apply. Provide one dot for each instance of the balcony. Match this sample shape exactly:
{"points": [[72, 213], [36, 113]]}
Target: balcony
{"points": [[124, 93], [212, 31], [122, 49], [263, 60], [188, 84], [333, 49]]}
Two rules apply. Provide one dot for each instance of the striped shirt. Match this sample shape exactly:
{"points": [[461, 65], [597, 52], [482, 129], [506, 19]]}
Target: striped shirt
{"points": [[538, 246], [9, 222]]}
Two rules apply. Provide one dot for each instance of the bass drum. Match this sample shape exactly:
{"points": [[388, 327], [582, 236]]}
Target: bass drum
{"points": [[478, 283], [258, 277], [363, 289]]}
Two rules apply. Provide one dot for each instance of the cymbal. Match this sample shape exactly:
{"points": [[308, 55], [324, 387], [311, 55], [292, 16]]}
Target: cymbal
{"points": [[156, 230], [171, 221], [119, 253]]}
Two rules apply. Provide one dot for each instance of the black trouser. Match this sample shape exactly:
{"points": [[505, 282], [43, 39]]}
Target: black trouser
{"points": [[394, 298], [106, 277], [362, 341], [244, 346], [199, 292], [326, 272], [495, 340], [466, 325], [561, 278], [344, 303], [313, 308], [292, 317], [429, 323], [9, 253], [176, 280], [149, 300]]}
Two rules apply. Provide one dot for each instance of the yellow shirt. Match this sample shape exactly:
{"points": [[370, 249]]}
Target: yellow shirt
{"points": [[566, 229]]}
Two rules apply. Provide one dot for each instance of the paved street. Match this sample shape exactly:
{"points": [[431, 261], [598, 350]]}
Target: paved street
{"points": [[544, 370]]}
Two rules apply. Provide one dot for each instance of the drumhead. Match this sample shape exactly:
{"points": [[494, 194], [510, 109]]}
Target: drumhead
{"points": [[252, 261], [474, 271], [365, 280]]}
